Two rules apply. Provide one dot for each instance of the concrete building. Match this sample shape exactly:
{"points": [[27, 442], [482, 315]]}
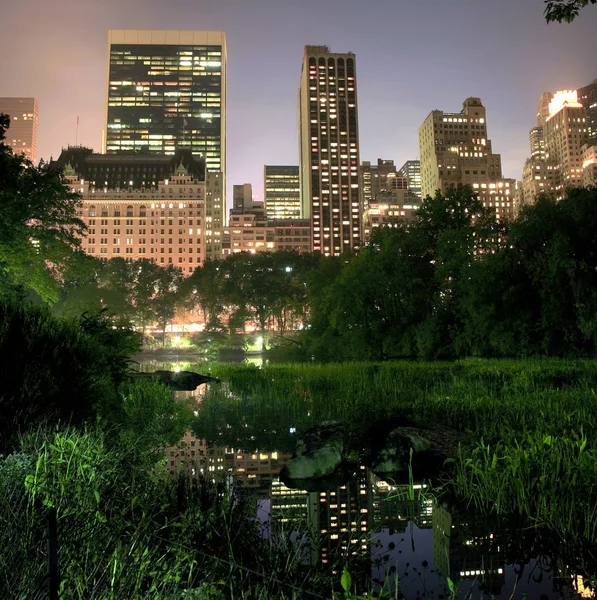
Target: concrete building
{"points": [[587, 96], [411, 169], [455, 149], [215, 210], [374, 179], [282, 192], [329, 150], [385, 195], [589, 174], [565, 133], [22, 133], [248, 232], [292, 234], [242, 197], [560, 144], [166, 90], [161, 220]]}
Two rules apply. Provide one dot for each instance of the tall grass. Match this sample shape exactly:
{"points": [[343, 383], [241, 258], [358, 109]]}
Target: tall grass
{"points": [[531, 423]]}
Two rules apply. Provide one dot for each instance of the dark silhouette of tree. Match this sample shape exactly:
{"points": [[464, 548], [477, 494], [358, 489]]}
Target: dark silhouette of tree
{"points": [[564, 10]]}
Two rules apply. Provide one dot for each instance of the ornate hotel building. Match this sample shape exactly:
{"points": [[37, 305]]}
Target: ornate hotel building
{"points": [[455, 149], [329, 150], [139, 206]]}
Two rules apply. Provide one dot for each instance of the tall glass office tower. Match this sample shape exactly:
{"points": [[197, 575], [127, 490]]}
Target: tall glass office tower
{"points": [[166, 90]]}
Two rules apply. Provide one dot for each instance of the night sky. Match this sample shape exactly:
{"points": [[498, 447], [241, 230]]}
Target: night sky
{"points": [[412, 57]]}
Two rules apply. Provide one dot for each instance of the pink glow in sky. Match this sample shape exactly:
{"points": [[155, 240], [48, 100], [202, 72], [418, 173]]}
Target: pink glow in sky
{"points": [[412, 57]]}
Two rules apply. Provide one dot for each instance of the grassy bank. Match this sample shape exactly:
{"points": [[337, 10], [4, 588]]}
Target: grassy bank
{"points": [[532, 422]]}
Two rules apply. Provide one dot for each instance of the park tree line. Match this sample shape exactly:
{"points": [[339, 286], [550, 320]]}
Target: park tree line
{"points": [[453, 282]]}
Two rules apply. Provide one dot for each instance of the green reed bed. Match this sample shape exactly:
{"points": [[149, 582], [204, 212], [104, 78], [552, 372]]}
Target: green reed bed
{"points": [[531, 422]]}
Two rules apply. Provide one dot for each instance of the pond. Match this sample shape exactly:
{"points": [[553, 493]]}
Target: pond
{"points": [[387, 535]]}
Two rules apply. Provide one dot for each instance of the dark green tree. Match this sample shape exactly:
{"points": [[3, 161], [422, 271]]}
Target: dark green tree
{"points": [[204, 290], [168, 297], [39, 226], [58, 370], [564, 10]]}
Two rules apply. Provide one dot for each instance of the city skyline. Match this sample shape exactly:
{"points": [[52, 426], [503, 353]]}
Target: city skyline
{"points": [[402, 77]]}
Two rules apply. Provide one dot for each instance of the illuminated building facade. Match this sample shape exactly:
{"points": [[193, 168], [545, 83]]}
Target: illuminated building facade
{"points": [[587, 96], [565, 133], [342, 516], [214, 214], [248, 232], [133, 211], [166, 90], [589, 173], [293, 234], [375, 179], [22, 133], [282, 192], [561, 155], [288, 506], [454, 150], [329, 150], [411, 169]]}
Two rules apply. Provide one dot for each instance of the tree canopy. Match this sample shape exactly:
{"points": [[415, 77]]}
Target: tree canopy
{"points": [[564, 10], [39, 227]]}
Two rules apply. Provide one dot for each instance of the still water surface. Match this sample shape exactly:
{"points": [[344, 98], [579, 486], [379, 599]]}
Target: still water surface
{"points": [[401, 536]]}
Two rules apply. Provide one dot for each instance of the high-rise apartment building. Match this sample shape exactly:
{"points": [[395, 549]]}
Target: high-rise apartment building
{"points": [[375, 179], [215, 211], [411, 169], [565, 134], [454, 150], [560, 144], [329, 149], [22, 133], [282, 192], [166, 91], [587, 96]]}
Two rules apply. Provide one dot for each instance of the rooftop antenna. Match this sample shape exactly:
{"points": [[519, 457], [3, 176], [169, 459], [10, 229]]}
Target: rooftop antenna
{"points": [[77, 133]]}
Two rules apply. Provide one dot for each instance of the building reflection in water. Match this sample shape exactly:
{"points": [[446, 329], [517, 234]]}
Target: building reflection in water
{"points": [[402, 535]]}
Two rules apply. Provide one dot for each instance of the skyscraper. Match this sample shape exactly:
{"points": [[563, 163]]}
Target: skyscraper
{"points": [[282, 192], [561, 152], [455, 150], [411, 169], [167, 91], [587, 96], [374, 179], [22, 133], [329, 149]]}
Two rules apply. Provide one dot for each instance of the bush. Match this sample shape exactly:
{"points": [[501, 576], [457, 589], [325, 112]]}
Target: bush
{"points": [[58, 370]]}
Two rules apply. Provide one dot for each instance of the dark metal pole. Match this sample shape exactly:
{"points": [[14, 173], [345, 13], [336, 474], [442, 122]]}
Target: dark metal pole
{"points": [[53, 576]]}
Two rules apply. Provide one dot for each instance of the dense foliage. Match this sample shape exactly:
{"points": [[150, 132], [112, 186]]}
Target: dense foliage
{"points": [[39, 227], [452, 284], [564, 10], [56, 370]]}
